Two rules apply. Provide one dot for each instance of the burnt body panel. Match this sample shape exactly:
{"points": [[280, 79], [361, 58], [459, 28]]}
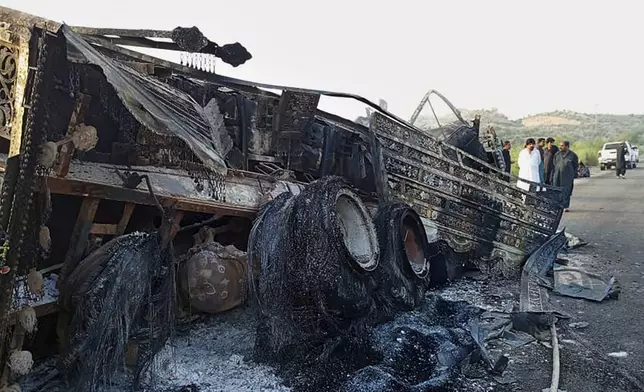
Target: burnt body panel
{"points": [[472, 210]]}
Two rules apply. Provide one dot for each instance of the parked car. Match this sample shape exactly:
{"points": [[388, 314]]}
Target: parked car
{"points": [[608, 156], [637, 153]]}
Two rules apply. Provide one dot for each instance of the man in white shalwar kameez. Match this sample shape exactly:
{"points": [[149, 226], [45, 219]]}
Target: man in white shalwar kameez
{"points": [[529, 162]]}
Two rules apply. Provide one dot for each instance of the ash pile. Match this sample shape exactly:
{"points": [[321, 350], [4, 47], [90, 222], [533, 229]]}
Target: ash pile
{"points": [[340, 296]]}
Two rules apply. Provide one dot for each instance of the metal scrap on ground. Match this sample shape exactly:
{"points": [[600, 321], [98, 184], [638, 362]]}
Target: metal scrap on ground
{"points": [[575, 282]]}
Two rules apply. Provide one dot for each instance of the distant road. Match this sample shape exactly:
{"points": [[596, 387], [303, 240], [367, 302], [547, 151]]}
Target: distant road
{"points": [[609, 213]]}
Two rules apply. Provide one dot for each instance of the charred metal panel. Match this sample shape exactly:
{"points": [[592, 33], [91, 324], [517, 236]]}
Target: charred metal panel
{"points": [[260, 141], [295, 115], [469, 207], [160, 107], [465, 216]]}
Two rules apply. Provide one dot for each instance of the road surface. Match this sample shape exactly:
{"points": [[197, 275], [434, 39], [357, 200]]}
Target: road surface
{"points": [[607, 212]]}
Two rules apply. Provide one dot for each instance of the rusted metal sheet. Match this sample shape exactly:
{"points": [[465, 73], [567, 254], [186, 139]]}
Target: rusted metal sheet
{"points": [[471, 209], [137, 33]]}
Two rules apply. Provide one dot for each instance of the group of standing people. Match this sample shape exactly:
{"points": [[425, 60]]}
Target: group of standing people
{"points": [[542, 162]]}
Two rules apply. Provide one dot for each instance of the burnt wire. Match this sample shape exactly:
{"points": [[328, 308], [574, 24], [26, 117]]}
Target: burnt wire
{"points": [[131, 180]]}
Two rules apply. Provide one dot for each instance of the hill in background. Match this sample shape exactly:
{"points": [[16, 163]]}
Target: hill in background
{"points": [[573, 125], [586, 132]]}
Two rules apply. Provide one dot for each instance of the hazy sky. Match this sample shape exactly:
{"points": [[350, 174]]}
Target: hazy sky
{"points": [[519, 56]]}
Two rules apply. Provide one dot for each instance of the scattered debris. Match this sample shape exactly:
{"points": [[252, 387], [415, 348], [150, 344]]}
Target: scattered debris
{"points": [[516, 338], [574, 242], [534, 284], [210, 354], [579, 325], [575, 282]]}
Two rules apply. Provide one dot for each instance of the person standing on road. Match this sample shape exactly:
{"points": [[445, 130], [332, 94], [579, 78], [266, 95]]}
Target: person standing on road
{"points": [[548, 158], [541, 142], [565, 169], [529, 162], [620, 165], [506, 155]]}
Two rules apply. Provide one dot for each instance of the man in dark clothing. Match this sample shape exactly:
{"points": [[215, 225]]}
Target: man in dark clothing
{"points": [[506, 155], [620, 166], [565, 168], [548, 158], [541, 142]]}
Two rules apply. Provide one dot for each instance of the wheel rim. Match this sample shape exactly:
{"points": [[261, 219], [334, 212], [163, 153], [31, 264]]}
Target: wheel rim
{"points": [[358, 233]]}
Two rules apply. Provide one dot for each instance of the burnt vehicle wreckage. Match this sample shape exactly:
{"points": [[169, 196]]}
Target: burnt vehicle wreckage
{"points": [[114, 161]]}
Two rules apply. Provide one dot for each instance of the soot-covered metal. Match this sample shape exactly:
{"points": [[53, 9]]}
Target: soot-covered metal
{"points": [[356, 224], [337, 317]]}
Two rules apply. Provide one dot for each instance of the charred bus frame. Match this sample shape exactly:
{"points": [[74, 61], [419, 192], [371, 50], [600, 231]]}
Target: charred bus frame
{"points": [[231, 160]]}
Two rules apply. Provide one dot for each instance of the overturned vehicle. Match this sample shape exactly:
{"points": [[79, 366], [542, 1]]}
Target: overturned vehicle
{"points": [[135, 187]]}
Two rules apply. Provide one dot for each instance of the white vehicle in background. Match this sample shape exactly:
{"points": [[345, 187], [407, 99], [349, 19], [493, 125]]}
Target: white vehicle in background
{"points": [[608, 156]]}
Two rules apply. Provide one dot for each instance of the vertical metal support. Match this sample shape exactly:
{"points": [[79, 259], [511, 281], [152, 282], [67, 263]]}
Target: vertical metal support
{"points": [[67, 149], [128, 209], [168, 233], [80, 236]]}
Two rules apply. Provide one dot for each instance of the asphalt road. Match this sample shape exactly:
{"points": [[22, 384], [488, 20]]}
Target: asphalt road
{"points": [[607, 212]]}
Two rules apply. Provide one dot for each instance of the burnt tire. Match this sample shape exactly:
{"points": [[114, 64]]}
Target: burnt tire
{"points": [[404, 265], [314, 250]]}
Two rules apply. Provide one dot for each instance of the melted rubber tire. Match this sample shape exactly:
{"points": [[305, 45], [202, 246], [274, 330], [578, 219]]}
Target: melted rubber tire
{"points": [[404, 267], [311, 287]]}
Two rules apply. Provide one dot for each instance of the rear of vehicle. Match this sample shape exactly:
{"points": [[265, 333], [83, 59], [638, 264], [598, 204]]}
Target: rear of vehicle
{"points": [[608, 156]]}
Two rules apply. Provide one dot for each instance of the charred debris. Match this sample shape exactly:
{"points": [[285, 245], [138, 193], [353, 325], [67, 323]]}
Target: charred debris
{"points": [[137, 191]]}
